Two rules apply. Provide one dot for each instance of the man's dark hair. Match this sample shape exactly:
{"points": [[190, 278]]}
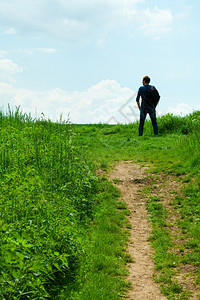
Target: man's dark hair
{"points": [[146, 79]]}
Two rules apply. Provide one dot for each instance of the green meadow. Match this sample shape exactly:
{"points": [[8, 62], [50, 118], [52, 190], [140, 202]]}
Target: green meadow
{"points": [[63, 230]]}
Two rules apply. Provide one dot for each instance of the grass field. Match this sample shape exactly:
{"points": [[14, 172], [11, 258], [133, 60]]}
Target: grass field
{"points": [[63, 233]]}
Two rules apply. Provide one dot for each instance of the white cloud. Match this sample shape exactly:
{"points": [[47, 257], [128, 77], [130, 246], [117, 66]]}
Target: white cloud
{"points": [[8, 31], [76, 20], [8, 69], [157, 21], [101, 102], [181, 109], [105, 102]]}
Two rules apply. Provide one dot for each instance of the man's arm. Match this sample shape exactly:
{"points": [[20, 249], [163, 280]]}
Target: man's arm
{"points": [[138, 99]]}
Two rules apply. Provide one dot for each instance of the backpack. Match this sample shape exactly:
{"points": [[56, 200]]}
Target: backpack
{"points": [[152, 96]]}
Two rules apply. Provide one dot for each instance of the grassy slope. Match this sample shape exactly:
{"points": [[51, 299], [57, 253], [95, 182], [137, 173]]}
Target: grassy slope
{"points": [[55, 162], [59, 222], [168, 154]]}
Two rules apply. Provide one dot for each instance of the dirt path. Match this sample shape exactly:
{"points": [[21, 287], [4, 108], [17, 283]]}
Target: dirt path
{"points": [[131, 179]]}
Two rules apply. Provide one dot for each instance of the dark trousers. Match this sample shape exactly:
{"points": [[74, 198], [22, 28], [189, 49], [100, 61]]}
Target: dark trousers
{"points": [[152, 114]]}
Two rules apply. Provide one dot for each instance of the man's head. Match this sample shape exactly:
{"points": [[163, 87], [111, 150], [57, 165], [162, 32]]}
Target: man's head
{"points": [[146, 80]]}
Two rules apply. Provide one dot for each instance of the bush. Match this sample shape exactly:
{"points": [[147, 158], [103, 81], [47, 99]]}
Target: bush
{"points": [[174, 124]]}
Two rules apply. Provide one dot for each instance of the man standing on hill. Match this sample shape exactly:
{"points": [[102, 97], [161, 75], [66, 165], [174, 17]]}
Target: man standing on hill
{"points": [[146, 106]]}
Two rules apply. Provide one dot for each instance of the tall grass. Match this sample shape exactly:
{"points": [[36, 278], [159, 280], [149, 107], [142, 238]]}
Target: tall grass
{"points": [[192, 143], [46, 193]]}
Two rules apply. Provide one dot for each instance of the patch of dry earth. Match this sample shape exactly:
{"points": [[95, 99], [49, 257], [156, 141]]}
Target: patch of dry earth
{"points": [[131, 179]]}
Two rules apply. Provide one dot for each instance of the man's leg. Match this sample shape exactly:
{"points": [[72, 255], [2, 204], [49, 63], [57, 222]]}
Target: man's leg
{"points": [[143, 115], [154, 121]]}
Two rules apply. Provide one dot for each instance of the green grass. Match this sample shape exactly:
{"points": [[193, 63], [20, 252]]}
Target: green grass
{"points": [[174, 151], [102, 270], [59, 221], [63, 231]]}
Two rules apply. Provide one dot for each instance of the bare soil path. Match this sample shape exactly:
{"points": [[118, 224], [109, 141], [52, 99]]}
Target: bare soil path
{"points": [[131, 179]]}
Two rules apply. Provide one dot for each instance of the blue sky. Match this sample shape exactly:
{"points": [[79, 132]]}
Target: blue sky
{"points": [[85, 60]]}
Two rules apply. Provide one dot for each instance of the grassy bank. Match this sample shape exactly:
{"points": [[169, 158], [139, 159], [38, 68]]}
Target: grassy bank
{"points": [[63, 232], [58, 219], [175, 155]]}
